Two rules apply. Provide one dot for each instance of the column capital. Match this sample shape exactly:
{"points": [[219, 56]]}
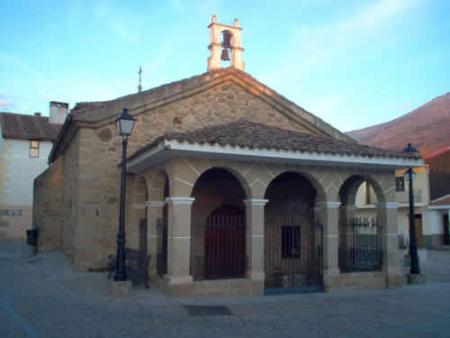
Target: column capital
{"points": [[255, 201], [178, 200], [388, 205], [328, 205], [155, 204]]}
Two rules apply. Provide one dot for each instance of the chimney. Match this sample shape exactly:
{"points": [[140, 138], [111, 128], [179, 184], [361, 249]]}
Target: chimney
{"points": [[58, 112], [37, 114]]}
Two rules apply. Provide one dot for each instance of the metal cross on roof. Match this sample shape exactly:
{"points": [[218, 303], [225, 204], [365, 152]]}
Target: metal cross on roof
{"points": [[139, 87]]}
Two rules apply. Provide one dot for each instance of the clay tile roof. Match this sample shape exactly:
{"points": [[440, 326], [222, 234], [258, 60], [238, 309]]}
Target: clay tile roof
{"points": [[28, 127], [437, 153], [445, 200], [94, 111], [246, 134]]}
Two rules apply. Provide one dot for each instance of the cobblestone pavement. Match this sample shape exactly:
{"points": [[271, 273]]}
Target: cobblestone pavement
{"points": [[41, 296]]}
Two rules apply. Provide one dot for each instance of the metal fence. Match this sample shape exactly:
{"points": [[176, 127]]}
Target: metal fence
{"points": [[161, 259], [360, 245], [225, 247]]}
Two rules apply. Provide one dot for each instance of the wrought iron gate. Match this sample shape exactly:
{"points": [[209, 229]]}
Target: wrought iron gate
{"points": [[162, 232], [360, 246], [293, 251], [224, 240]]}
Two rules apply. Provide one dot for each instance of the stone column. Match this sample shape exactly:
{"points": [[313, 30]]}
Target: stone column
{"points": [[179, 240], [387, 218], [255, 238], [328, 214], [347, 213], [154, 216]]}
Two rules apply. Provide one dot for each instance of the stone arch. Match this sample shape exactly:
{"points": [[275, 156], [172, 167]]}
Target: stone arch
{"points": [[360, 224], [141, 190], [159, 186], [137, 215], [218, 222], [292, 237], [321, 195], [233, 171], [350, 186]]}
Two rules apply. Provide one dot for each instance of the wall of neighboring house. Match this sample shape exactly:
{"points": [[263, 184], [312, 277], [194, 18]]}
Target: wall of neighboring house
{"points": [[438, 217], [439, 175], [17, 172], [366, 204]]}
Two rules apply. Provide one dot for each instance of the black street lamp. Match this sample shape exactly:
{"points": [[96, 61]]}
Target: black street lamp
{"points": [[415, 268], [125, 124]]}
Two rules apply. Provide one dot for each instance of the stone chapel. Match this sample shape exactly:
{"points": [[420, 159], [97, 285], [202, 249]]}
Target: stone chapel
{"points": [[231, 188]]}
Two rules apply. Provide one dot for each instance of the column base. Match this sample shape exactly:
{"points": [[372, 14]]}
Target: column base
{"points": [[257, 276], [177, 280], [121, 288], [395, 278], [416, 279], [331, 279]]}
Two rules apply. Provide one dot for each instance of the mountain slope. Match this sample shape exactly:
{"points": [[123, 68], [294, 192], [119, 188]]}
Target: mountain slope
{"points": [[427, 128]]}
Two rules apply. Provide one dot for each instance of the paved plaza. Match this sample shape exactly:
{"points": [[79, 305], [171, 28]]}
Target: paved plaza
{"points": [[41, 296]]}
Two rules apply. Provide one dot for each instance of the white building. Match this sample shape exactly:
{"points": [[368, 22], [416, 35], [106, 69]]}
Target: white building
{"points": [[366, 204], [25, 143]]}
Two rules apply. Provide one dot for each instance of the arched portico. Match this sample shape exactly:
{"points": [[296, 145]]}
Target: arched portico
{"points": [[360, 226], [157, 215], [218, 226], [293, 237]]}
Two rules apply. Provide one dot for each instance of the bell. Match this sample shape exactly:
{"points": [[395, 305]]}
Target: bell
{"points": [[226, 43], [225, 56]]}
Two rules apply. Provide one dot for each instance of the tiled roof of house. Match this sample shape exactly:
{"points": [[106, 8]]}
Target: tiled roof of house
{"points": [[28, 127], [444, 200], [246, 134], [437, 153]]}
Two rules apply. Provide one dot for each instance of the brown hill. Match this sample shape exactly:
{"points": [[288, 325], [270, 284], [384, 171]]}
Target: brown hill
{"points": [[427, 128]]}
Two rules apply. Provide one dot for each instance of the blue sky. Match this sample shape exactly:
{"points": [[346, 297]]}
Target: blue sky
{"points": [[352, 63]]}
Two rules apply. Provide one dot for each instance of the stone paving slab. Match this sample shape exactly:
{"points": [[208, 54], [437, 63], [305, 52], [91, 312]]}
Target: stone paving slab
{"points": [[43, 297]]}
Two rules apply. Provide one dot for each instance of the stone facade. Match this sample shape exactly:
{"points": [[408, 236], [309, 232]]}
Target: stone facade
{"points": [[84, 199], [92, 157], [48, 206]]}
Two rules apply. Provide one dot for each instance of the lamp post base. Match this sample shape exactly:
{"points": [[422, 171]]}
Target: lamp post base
{"points": [[121, 288], [416, 278]]}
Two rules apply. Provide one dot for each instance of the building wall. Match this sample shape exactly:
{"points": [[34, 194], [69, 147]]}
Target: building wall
{"points": [[99, 155], [91, 169], [439, 175], [436, 216], [421, 199], [17, 172], [48, 206]]}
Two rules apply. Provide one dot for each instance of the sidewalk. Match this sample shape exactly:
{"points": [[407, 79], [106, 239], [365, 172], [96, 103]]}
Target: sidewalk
{"points": [[42, 296]]}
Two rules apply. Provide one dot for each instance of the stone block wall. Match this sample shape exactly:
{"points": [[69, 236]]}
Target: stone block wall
{"points": [[92, 173], [70, 197], [99, 155], [48, 206]]}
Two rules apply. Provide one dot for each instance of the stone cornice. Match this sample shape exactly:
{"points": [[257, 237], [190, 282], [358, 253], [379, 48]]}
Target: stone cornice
{"points": [[180, 200], [328, 205], [255, 201]]}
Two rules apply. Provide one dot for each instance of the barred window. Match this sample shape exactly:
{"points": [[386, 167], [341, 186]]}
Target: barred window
{"points": [[400, 183], [34, 148]]}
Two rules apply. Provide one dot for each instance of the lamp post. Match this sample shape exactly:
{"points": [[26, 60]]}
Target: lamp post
{"points": [[125, 124], [415, 268]]}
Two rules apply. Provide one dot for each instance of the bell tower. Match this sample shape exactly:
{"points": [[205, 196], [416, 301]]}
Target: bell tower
{"points": [[223, 39]]}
